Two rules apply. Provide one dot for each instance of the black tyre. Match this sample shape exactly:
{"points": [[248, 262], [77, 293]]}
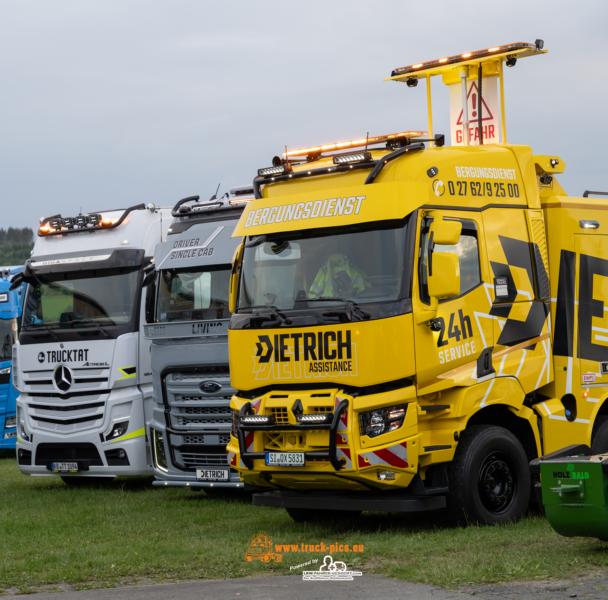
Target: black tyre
{"points": [[490, 480], [311, 515], [599, 443]]}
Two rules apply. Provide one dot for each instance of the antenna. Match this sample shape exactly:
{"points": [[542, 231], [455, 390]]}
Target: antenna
{"points": [[217, 189]]}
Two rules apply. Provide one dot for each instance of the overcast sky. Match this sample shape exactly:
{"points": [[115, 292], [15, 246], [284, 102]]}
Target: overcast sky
{"points": [[107, 103]]}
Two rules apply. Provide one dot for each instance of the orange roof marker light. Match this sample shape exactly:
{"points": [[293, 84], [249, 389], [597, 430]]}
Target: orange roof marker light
{"points": [[476, 85], [397, 144], [437, 67], [317, 151]]}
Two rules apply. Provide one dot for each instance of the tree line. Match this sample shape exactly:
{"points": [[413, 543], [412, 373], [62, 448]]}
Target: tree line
{"points": [[15, 245]]}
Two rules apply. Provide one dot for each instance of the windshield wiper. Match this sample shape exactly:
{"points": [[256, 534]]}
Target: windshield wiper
{"points": [[351, 309], [46, 329], [88, 323], [272, 313]]}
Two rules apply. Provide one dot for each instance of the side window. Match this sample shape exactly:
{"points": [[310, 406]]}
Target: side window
{"points": [[467, 250]]}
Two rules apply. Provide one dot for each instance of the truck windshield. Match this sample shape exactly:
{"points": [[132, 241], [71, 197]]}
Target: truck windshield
{"points": [[106, 302], [362, 273], [8, 335], [193, 295]]}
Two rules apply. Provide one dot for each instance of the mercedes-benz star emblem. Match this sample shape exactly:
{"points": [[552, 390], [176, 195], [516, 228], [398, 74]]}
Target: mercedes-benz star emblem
{"points": [[63, 378]]}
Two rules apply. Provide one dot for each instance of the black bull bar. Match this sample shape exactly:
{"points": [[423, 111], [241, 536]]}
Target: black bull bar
{"points": [[329, 455]]}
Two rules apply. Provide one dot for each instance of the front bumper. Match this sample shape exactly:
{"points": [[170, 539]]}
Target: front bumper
{"points": [[89, 445], [336, 455]]}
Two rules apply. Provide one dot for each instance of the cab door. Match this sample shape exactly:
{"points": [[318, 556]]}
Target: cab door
{"points": [[451, 333], [593, 310]]}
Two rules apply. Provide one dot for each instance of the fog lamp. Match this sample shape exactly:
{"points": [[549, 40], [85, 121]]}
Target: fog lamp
{"points": [[315, 418], [256, 420]]}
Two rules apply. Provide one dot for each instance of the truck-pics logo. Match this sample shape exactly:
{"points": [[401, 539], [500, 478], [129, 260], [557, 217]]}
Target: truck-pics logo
{"points": [[64, 355], [305, 355]]}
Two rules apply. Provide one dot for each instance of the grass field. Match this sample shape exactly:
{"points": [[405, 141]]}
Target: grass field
{"points": [[89, 537]]}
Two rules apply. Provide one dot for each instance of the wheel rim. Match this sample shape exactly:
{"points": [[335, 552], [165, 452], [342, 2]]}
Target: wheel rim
{"points": [[497, 484]]}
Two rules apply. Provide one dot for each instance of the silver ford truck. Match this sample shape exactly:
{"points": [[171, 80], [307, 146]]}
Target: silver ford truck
{"points": [[190, 420]]}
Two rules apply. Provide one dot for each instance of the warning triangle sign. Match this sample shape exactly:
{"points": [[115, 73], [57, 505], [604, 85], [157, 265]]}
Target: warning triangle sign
{"points": [[473, 106]]}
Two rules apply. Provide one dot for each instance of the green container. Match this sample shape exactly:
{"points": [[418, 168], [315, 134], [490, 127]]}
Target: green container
{"points": [[575, 494]]}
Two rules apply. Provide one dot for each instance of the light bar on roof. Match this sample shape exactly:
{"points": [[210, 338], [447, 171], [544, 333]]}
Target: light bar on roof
{"points": [[357, 143], [433, 67], [58, 225]]}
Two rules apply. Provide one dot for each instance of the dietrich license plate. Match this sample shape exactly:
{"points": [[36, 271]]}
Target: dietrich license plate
{"points": [[285, 459], [212, 474], [64, 467]]}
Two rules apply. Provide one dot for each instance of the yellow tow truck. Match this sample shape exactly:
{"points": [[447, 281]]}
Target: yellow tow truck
{"points": [[414, 322]]}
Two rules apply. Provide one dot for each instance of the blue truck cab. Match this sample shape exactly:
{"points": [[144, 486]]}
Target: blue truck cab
{"points": [[11, 305]]}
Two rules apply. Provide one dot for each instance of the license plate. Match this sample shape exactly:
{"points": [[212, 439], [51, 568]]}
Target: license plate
{"points": [[212, 474], [284, 459], [64, 467]]}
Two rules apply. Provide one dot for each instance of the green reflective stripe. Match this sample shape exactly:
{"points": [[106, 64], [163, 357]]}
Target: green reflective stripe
{"points": [[130, 436], [128, 372]]}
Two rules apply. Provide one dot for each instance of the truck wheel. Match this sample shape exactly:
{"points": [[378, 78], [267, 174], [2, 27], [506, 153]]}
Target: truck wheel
{"points": [[599, 443], [311, 515], [489, 478]]}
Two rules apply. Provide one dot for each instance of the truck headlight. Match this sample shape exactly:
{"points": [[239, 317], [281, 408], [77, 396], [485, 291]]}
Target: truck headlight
{"points": [[158, 448], [23, 434], [5, 375], [10, 422], [382, 420], [118, 429]]}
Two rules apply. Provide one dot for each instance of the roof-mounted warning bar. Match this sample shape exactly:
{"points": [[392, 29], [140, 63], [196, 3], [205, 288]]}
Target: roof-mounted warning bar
{"points": [[473, 78], [58, 225], [439, 66], [390, 139], [192, 207]]}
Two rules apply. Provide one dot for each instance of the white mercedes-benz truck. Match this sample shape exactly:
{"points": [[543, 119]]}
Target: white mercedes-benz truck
{"points": [[190, 422], [82, 368]]}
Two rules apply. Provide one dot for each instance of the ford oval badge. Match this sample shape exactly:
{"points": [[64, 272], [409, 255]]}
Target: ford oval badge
{"points": [[209, 387]]}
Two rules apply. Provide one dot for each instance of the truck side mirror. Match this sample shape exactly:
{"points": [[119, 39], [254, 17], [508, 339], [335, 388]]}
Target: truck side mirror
{"points": [[234, 278], [444, 279], [445, 233], [149, 275]]}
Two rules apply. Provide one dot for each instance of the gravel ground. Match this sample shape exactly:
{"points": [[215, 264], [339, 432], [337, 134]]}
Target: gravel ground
{"points": [[371, 586], [583, 588]]}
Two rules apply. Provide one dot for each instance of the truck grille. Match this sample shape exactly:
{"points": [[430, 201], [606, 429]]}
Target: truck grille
{"points": [[66, 415], [186, 459], [82, 408], [280, 414], [200, 420]]}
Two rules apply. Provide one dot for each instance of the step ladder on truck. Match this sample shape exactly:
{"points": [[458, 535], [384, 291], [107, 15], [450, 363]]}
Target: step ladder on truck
{"points": [[189, 421], [83, 369], [414, 322]]}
